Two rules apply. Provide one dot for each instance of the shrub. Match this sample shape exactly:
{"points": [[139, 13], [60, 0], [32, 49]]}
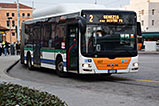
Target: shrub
{"points": [[15, 95]]}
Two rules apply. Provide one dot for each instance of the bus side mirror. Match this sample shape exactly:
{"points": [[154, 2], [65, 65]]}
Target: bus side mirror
{"points": [[139, 33], [82, 24]]}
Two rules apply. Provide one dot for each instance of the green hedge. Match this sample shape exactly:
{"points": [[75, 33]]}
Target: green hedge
{"points": [[12, 95]]}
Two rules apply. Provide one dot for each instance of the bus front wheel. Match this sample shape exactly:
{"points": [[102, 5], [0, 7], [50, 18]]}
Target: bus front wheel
{"points": [[60, 68]]}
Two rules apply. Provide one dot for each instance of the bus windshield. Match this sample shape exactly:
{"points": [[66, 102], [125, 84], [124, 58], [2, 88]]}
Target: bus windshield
{"points": [[109, 34], [109, 41]]}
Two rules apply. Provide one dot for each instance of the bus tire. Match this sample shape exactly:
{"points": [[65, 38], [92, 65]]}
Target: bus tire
{"points": [[106, 75], [60, 68], [29, 63]]}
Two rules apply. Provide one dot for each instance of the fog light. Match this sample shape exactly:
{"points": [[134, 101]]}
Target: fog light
{"points": [[136, 64], [86, 65]]}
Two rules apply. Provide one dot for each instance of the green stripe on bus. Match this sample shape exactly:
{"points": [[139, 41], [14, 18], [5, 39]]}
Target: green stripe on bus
{"points": [[48, 50], [31, 49], [53, 50]]}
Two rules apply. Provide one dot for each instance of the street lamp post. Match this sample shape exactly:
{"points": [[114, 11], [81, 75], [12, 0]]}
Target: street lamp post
{"points": [[9, 18], [18, 22], [95, 2]]}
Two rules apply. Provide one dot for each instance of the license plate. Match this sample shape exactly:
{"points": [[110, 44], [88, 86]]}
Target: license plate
{"points": [[112, 71]]}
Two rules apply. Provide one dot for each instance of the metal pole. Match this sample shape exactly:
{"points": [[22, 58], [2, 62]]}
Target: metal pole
{"points": [[18, 21], [95, 1], [32, 3], [10, 31]]}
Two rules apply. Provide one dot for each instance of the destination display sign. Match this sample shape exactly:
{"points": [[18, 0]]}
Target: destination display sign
{"points": [[110, 18], [105, 19]]}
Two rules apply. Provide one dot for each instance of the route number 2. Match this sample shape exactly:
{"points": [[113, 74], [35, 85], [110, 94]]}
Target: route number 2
{"points": [[91, 18]]}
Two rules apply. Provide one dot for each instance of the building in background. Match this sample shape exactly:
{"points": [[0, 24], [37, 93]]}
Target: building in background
{"points": [[2, 33], [8, 19], [148, 14]]}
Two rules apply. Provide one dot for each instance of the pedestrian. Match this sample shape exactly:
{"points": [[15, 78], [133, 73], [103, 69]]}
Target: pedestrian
{"points": [[0, 48], [7, 47], [12, 49], [3, 46], [18, 48]]}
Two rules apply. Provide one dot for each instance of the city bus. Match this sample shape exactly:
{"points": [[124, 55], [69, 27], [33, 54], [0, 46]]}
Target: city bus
{"points": [[86, 41]]}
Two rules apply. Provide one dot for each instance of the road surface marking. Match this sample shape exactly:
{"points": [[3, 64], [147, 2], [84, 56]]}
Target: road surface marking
{"points": [[143, 80]]}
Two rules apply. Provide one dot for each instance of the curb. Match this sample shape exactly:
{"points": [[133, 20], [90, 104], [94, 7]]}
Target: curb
{"points": [[148, 53], [10, 67]]}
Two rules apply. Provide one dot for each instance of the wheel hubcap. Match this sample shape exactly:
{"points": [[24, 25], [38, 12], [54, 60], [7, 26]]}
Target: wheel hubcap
{"points": [[29, 63], [60, 66]]}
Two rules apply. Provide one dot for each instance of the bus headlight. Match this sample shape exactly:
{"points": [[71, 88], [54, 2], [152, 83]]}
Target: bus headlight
{"points": [[136, 64], [85, 65]]}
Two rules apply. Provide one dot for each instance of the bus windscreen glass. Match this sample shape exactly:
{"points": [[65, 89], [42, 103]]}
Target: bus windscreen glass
{"points": [[109, 35]]}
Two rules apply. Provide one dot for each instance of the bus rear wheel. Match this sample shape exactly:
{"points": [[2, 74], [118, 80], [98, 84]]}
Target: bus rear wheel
{"points": [[29, 63], [60, 68]]}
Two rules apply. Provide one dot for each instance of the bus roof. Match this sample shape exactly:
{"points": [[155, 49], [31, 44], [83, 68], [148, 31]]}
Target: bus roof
{"points": [[64, 9]]}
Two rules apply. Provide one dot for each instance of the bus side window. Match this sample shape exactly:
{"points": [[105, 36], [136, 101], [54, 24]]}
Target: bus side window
{"points": [[28, 34], [60, 36], [46, 34], [53, 26]]}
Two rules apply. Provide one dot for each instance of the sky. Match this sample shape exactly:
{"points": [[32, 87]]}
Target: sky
{"points": [[39, 4]]}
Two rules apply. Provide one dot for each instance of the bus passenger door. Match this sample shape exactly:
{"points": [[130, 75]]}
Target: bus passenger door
{"points": [[72, 50], [36, 46]]}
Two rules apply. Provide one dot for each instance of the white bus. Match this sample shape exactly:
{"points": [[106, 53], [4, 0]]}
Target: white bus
{"points": [[85, 40]]}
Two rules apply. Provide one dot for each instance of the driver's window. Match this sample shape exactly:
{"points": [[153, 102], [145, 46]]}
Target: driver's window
{"points": [[73, 34]]}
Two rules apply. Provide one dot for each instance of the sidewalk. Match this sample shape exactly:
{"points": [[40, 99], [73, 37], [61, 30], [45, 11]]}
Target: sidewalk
{"points": [[5, 63], [148, 52]]}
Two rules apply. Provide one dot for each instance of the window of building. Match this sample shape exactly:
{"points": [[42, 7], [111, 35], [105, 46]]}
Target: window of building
{"points": [[13, 33], [142, 12], [23, 14], [13, 23], [7, 23], [13, 15], [28, 14], [142, 22], [153, 22], [153, 11], [7, 14]]}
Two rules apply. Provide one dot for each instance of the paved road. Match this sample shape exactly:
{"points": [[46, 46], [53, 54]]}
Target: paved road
{"points": [[133, 89]]}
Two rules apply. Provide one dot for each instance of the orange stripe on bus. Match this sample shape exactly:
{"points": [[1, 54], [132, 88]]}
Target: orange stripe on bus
{"points": [[112, 64]]}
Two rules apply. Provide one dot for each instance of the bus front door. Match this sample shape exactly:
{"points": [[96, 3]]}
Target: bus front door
{"points": [[72, 50]]}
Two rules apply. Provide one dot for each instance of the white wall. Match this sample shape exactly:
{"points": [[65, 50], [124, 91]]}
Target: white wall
{"points": [[146, 5], [155, 17], [153, 0], [150, 45]]}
